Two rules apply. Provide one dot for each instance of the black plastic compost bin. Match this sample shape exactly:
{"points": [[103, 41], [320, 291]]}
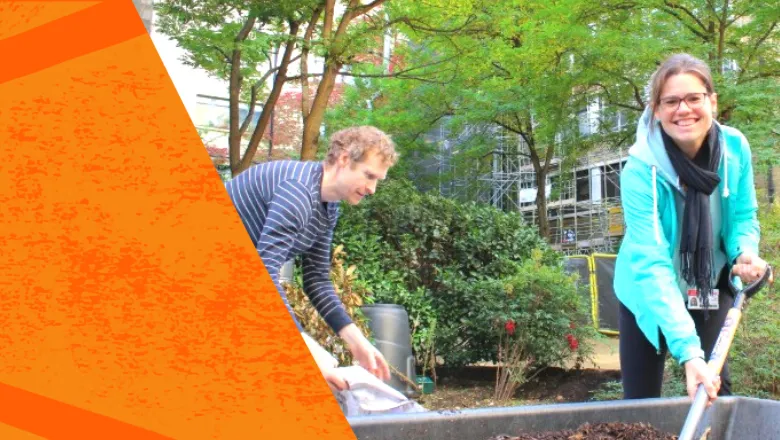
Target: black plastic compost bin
{"points": [[730, 418]]}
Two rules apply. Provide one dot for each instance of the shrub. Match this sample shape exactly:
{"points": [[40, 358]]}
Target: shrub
{"points": [[447, 263], [352, 294], [536, 325], [753, 362]]}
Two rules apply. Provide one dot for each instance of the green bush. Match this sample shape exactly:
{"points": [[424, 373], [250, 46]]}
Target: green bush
{"points": [[462, 266], [753, 360]]}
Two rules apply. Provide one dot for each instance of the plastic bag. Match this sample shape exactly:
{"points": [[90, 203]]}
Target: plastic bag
{"points": [[368, 395]]}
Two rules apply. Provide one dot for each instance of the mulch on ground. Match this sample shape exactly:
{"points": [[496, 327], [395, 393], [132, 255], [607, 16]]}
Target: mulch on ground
{"points": [[600, 431]]}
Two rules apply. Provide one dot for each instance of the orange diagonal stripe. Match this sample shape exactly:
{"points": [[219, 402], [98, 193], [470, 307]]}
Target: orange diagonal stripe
{"points": [[59, 421], [69, 37]]}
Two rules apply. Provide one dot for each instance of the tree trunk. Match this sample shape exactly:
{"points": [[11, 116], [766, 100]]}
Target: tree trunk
{"points": [[235, 83], [723, 23], [333, 63], [305, 47], [312, 123], [239, 165], [541, 202]]}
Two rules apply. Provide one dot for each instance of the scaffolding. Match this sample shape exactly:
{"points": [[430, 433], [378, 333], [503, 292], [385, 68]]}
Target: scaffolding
{"points": [[583, 200], [586, 216]]}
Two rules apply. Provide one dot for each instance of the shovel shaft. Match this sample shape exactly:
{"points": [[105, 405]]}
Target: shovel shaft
{"points": [[717, 359], [694, 414], [722, 345]]}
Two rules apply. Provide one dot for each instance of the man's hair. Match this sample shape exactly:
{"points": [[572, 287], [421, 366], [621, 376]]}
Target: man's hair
{"points": [[357, 141]]}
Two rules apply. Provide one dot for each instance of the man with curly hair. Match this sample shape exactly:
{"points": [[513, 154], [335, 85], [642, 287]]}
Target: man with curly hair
{"points": [[290, 209]]}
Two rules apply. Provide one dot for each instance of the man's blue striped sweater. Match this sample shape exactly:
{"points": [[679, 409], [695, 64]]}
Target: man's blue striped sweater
{"points": [[280, 205]]}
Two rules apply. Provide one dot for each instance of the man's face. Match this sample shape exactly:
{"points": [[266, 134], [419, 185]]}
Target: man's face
{"points": [[358, 179]]}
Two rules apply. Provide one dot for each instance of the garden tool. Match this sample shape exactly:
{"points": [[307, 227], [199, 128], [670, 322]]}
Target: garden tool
{"points": [[721, 348]]}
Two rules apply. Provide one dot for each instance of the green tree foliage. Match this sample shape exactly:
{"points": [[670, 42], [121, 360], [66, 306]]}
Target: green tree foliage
{"points": [[531, 67], [254, 47]]}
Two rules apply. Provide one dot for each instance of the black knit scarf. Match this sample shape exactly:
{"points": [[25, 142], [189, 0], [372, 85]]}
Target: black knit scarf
{"points": [[700, 178]]}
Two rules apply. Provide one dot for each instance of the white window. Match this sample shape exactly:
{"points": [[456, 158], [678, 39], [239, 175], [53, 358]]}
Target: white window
{"points": [[621, 120], [729, 66], [589, 117], [214, 113]]}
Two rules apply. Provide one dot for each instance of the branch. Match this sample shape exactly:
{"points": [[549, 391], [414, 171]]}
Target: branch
{"points": [[498, 66], [617, 104], [426, 28], [506, 126], [724, 16], [687, 12], [222, 52], [737, 16], [770, 74], [236, 80], [637, 92], [548, 158], [755, 49], [691, 28], [327, 26], [368, 7], [253, 100], [273, 97], [305, 108], [252, 103], [519, 122], [354, 10], [428, 127], [246, 29], [711, 5], [396, 74]]}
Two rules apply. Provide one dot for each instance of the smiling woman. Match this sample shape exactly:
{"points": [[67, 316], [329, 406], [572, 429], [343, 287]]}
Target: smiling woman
{"points": [[683, 99], [690, 212]]}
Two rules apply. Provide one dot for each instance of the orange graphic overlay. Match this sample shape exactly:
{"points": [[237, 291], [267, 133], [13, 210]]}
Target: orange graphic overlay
{"points": [[63, 421], [20, 16], [132, 302]]}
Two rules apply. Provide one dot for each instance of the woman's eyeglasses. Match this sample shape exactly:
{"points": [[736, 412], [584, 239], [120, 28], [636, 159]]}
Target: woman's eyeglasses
{"points": [[692, 100]]}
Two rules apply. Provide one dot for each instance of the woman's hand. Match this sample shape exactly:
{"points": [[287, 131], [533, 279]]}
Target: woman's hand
{"points": [[698, 372], [364, 352], [750, 267]]}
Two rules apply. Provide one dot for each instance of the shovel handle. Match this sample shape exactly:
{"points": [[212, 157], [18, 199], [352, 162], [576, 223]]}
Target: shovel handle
{"points": [[720, 351], [752, 288]]}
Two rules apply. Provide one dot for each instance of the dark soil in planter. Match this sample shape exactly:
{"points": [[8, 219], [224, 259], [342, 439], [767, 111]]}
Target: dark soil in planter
{"points": [[600, 431], [473, 387]]}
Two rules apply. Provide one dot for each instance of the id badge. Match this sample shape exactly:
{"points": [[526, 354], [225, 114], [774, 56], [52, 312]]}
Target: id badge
{"points": [[695, 303]]}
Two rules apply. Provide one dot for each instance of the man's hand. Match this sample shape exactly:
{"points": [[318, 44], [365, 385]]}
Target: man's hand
{"points": [[321, 356], [333, 378], [750, 267], [364, 352], [326, 363], [698, 372]]}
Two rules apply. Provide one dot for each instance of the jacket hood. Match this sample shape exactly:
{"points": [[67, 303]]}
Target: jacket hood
{"points": [[649, 148]]}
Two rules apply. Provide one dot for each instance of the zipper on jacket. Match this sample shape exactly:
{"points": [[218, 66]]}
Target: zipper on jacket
{"points": [[655, 207]]}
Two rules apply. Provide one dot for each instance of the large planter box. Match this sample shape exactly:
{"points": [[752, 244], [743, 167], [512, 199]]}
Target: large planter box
{"points": [[731, 418]]}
